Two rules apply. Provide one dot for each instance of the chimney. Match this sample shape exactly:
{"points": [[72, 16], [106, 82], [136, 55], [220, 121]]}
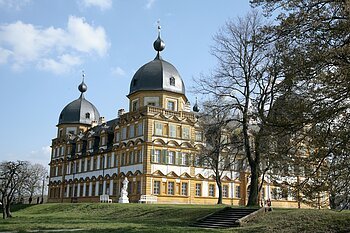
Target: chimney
{"points": [[101, 120], [121, 112]]}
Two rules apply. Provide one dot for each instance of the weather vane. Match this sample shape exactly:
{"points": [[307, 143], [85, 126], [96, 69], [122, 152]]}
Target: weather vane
{"points": [[159, 27]]}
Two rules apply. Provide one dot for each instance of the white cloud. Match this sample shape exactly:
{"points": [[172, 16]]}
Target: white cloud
{"points": [[41, 155], [62, 65], [49, 48], [117, 71], [85, 38], [102, 4], [150, 4], [14, 4], [4, 54]]}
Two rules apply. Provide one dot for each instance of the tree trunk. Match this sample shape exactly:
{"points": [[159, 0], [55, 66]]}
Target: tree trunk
{"points": [[218, 182], [253, 199], [8, 208], [3, 202]]}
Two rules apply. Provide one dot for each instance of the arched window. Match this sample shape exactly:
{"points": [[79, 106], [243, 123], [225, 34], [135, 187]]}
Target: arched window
{"points": [[172, 81], [87, 115]]}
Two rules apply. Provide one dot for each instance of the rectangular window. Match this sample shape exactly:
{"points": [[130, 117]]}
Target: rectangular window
{"points": [[117, 137], [184, 189], [156, 187], [103, 140], [87, 190], [135, 105], [158, 128], [123, 159], [123, 133], [90, 144], [138, 190], [81, 190], [131, 157], [225, 190], [197, 161], [139, 156], [115, 188], [185, 132], [88, 165], [211, 190], [130, 187], [238, 191], [132, 131], [184, 159], [139, 129], [156, 156], [100, 189], [107, 187], [95, 164], [83, 165], [198, 190], [102, 162], [198, 136], [171, 105], [93, 186], [170, 188], [171, 157], [172, 130]]}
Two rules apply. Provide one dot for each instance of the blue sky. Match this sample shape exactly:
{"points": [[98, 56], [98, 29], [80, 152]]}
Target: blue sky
{"points": [[44, 46]]}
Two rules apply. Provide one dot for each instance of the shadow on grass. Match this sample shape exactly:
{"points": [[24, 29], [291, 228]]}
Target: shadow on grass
{"points": [[17, 207]]}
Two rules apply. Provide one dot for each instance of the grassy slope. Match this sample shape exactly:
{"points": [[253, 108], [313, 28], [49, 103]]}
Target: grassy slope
{"points": [[164, 218]]}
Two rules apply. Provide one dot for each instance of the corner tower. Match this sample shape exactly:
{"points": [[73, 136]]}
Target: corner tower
{"points": [[158, 83], [78, 115]]}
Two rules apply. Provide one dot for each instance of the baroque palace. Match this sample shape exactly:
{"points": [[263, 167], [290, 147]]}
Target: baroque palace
{"points": [[155, 146]]}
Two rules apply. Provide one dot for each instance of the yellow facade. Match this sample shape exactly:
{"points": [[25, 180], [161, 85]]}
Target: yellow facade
{"points": [[154, 145]]}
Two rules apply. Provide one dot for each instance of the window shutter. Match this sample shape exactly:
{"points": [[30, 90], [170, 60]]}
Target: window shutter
{"points": [[152, 155], [178, 158], [164, 156]]}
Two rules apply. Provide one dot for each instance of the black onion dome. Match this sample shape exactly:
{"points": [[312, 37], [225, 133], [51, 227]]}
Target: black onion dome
{"points": [[157, 74], [79, 111]]}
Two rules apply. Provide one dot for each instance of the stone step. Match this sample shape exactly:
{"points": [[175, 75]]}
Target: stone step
{"points": [[224, 218]]}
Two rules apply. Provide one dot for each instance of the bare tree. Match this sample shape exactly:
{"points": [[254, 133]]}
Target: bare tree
{"points": [[221, 147], [12, 176], [245, 81], [34, 184]]}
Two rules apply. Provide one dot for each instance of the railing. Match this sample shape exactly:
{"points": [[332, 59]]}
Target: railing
{"points": [[155, 110]]}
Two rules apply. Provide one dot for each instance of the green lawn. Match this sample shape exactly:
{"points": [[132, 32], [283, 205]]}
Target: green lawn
{"points": [[163, 218]]}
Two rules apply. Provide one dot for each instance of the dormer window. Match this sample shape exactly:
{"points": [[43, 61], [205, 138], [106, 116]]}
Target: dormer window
{"points": [[87, 115], [135, 105], [172, 81]]}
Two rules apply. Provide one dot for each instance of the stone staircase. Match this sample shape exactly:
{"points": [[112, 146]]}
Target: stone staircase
{"points": [[223, 218]]}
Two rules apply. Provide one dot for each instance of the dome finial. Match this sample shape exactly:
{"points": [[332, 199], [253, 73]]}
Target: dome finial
{"points": [[82, 87], [195, 107], [158, 44]]}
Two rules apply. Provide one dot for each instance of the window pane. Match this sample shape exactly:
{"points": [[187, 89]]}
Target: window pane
{"points": [[185, 132], [171, 188], [172, 131], [211, 190], [156, 187], [184, 189], [158, 129], [198, 190], [171, 157], [132, 131]]}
